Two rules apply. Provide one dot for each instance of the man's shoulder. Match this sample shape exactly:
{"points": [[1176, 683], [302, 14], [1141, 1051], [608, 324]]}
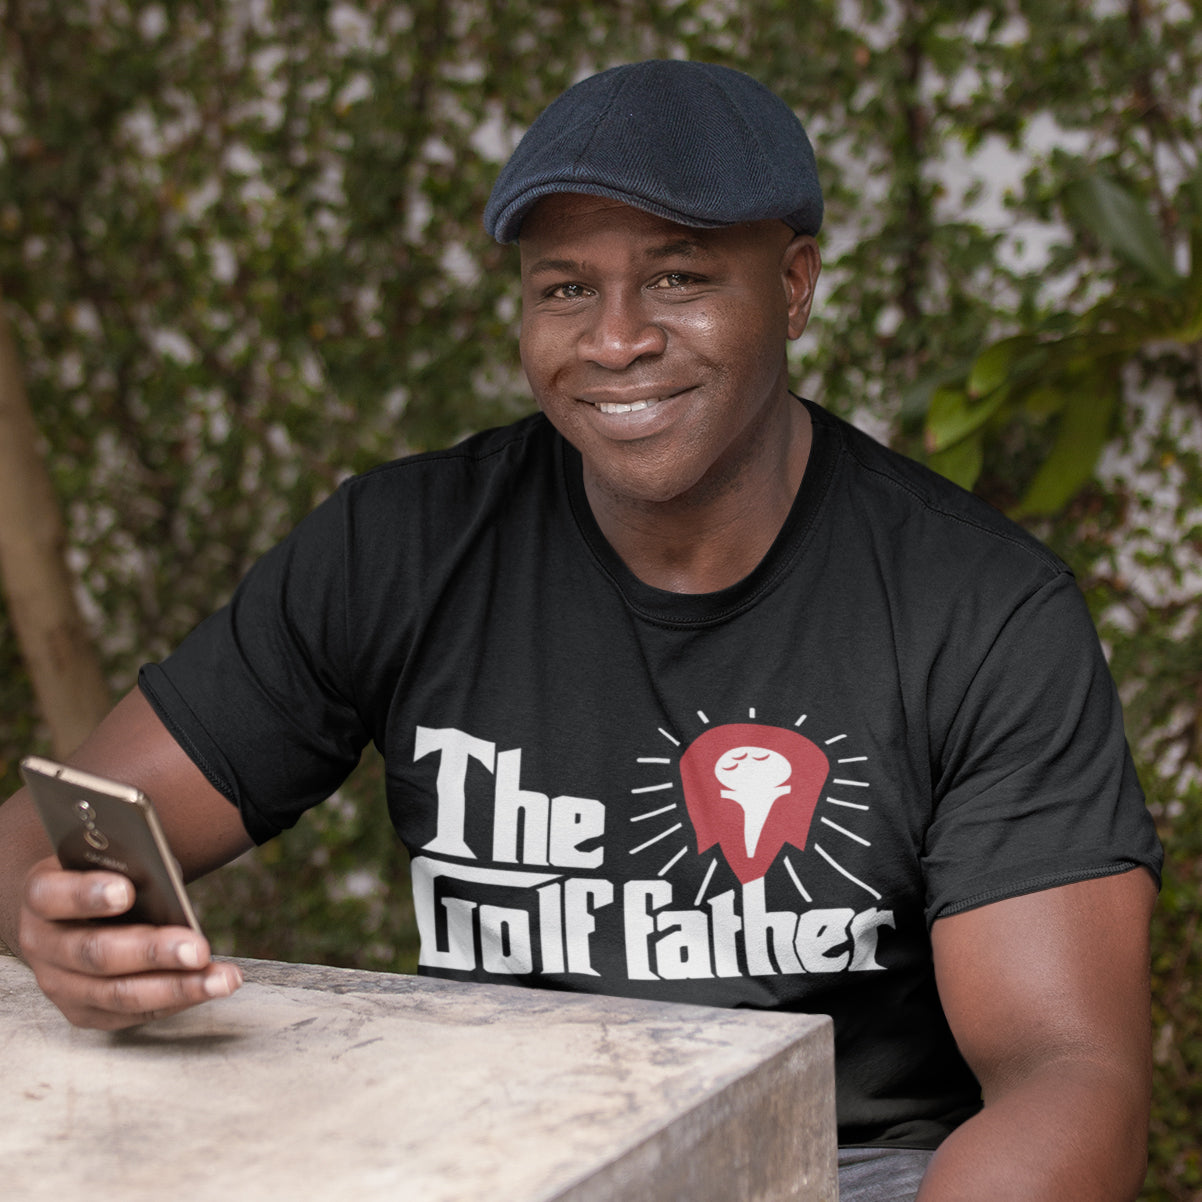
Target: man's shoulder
{"points": [[470, 474], [494, 449], [428, 493], [890, 489]]}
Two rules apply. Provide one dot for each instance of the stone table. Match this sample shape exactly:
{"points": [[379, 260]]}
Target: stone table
{"points": [[321, 1083]]}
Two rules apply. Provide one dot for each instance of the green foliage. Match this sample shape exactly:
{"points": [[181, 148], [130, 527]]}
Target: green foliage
{"points": [[240, 248], [1070, 370], [1175, 1154], [1116, 217]]}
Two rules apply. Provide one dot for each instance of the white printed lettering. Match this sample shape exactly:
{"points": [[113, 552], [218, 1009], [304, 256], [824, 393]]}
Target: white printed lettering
{"points": [[819, 932], [683, 950], [574, 820], [550, 927], [457, 950], [726, 925], [865, 928], [767, 934], [579, 923], [691, 944], [505, 941], [456, 749], [639, 898], [514, 806]]}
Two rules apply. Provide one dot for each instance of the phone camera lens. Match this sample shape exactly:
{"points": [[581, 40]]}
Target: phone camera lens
{"points": [[96, 838]]}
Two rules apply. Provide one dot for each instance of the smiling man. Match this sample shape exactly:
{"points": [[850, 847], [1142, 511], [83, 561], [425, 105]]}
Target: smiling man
{"points": [[687, 690], [658, 352]]}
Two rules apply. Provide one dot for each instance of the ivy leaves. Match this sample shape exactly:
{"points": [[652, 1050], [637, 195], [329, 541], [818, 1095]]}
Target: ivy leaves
{"points": [[1067, 373]]}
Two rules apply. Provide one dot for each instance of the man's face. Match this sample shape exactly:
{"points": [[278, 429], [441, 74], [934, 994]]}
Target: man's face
{"points": [[657, 349]]}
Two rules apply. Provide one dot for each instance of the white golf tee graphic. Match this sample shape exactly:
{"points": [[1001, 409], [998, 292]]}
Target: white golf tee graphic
{"points": [[754, 778]]}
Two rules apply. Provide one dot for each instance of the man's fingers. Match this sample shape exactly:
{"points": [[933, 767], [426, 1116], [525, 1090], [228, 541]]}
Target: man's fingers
{"points": [[150, 993], [111, 1003], [113, 951], [56, 895], [109, 949], [111, 975]]}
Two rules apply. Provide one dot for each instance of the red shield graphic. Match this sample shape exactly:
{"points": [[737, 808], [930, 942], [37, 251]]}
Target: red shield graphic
{"points": [[751, 789]]}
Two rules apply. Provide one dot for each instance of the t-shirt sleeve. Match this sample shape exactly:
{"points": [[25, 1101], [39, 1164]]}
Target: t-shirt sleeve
{"points": [[260, 694], [1035, 785]]}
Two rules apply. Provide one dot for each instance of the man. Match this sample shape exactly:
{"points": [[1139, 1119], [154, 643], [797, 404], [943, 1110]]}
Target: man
{"points": [[687, 690]]}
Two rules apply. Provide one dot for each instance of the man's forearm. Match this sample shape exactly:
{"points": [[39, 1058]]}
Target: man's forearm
{"points": [[22, 844], [1072, 1130]]}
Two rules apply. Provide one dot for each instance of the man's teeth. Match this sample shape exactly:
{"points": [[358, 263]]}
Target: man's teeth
{"points": [[634, 407]]}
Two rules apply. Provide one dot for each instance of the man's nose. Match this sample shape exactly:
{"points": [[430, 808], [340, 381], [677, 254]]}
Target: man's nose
{"points": [[621, 333]]}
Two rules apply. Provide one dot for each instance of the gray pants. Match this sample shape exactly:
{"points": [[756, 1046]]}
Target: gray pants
{"points": [[881, 1174]]}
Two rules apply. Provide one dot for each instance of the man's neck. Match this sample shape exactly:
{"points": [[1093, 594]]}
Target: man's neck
{"points": [[705, 542]]}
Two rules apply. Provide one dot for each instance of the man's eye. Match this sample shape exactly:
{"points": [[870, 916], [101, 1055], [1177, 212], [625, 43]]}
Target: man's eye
{"points": [[674, 279], [568, 292]]}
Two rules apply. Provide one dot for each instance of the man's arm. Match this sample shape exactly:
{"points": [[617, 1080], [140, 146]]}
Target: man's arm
{"points": [[116, 976], [1048, 998]]}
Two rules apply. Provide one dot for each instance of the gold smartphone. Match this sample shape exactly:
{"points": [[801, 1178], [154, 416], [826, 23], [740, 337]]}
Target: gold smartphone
{"points": [[95, 823]]}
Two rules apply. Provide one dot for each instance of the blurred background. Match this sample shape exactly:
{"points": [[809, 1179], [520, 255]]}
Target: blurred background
{"points": [[241, 257]]}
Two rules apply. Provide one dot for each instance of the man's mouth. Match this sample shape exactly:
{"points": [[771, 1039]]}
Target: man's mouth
{"points": [[633, 407]]}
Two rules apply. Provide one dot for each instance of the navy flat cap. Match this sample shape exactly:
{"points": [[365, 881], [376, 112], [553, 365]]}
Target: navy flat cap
{"points": [[695, 143]]}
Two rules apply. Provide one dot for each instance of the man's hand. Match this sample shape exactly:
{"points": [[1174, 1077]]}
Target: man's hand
{"points": [[108, 975], [111, 975]]}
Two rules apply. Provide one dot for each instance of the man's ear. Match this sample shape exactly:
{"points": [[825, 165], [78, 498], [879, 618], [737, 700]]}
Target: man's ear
{"points": [[800, 266]]}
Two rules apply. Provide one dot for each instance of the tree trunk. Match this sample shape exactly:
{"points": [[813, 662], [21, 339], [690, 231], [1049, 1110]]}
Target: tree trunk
{"points": [[62, 663]]}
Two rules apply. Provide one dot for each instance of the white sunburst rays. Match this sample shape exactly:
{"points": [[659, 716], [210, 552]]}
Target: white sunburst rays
{"points": [[842, 783], [671, 810], [666, 812]]}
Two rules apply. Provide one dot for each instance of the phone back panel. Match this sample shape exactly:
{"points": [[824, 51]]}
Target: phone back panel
{"points": [[95, 823]]}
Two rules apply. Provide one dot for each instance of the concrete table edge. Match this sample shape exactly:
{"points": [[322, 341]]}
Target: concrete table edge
{"points": [[778, 1111]]}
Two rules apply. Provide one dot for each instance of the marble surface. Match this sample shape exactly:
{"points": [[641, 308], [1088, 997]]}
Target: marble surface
{"points": [[322, 1083]]}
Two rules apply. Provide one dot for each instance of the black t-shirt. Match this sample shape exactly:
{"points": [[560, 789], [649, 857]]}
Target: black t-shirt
{"points": [[759, 797]]}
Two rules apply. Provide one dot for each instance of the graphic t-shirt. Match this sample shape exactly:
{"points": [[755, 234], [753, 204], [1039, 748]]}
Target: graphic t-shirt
{"points": [[758, 797]]}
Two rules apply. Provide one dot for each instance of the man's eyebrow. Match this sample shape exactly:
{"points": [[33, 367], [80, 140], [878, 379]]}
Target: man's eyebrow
{"points": [[685, 248], [558, 266], [678, 248]]}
